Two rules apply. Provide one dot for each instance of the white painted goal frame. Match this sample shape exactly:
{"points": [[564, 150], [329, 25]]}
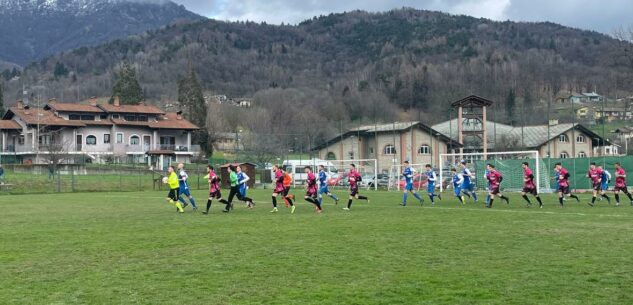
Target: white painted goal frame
{"points": [[460, 156], [360, 164], [395, 175]]}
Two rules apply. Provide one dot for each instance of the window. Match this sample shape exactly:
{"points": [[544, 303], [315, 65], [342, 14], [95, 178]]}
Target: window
{"points": [[130, 118], [119, 138], [135, 140], [142, 118], [582, 154], [564, 155], [115, 116], [103, 116], [74, 117], [331, 156], [389, 150], [106, 138], [45, 140], [91, 140], [21, 140], [581, 139], [424, 150], [563, 138], [87, 117], [371, 150]]}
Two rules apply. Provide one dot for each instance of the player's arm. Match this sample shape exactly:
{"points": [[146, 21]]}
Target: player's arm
{"points": [[245, 178]]}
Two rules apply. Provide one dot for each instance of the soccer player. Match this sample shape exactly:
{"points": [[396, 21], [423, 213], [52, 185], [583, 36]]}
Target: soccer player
{"points": [[184, 188], [235, 189], [242, 179], [279, 187], [407, 173], [528, 185], [487, 187], [286, 195], [562, 176], [172, 181], [620, 184], [605, 179], [430, 184], [457, 181], [595, 175], [214, 188], [495, 178], [468, 187], [311, 189], [353, 178], [323, 186]]}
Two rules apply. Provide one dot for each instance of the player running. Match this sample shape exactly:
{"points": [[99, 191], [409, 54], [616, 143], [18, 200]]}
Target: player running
{"points": [[495, 178], [242, 179], [606, 179], [174, 187], [286, 195], [214, 188], [279, 188], [620, 184], [184, 188], [311, 189], [408, 186], [468, 187], [431, 178], [323, 186], [457, 181], [595, 175], [353, 178], [562, 176], [528, 185]]}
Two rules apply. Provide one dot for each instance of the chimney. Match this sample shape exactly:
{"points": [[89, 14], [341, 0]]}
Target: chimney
{"points": [[117, 101], [179, 115], [52, 101], [93, 101], [20, 104]]}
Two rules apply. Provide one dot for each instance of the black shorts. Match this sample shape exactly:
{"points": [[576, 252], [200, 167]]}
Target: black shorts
{"points": [[530, 190], [217, 194], [494, 190], [286, 191], [563, 189], [622, 189], [597, 186], [353, 191], [174, 194]]}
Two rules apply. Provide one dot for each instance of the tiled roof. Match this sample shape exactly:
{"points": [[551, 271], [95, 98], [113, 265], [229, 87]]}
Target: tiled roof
{"points": [[144, 109], [9, 124], [68, 107], [33, 116], [171, 121]]}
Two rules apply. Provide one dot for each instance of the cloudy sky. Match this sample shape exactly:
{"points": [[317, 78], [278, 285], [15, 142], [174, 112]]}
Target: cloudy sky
{"points": [[599, 15]]}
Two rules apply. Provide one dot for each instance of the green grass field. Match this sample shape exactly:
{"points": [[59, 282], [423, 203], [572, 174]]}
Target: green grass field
{"points": [[132, 248]]}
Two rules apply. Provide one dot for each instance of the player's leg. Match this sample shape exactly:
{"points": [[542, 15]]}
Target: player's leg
{"points": [[174, 199], [492, 199], [526, 198], [538, 198], [405, 195], [628, 194], [349, 202], [595, 196], [209, 201], [503, 197], [187, 193], [472, 191], [560, 198], [274, 197], [603, 194], [616, 194], [333, 197]]}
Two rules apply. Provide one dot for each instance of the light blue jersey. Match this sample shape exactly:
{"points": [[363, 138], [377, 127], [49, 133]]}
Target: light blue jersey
{"points": [[408, 178], [606, 176], [432, 179], [457, 181]]}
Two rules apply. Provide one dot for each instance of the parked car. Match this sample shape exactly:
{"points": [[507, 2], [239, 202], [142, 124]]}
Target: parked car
{"points": [[419, 181], [382, 180]]}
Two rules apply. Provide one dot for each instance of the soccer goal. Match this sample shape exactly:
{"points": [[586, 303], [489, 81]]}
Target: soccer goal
{"points": [[338, 171], [396, 180], [508, 163]]}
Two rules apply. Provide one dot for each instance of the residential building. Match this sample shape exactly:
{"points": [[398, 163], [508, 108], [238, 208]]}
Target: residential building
{"points": [[227, 142], [613, 113], [97, 132], [390, 144]]}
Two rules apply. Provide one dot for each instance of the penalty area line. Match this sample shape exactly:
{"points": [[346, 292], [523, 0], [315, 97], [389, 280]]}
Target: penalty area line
{"points": [[524, 212]]}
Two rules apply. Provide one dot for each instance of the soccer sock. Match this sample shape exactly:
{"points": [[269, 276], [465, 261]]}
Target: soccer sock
{"points": [[538, 198], [290, 202], [629, 195], [417, 196], [475, 196], [320, 200], [460, 199], [193, 202], [574, 196], [527, 199], [179, 206], [488, 198], [404, 198], [617, 198], [274, 202], [560, 200], [349, 203], [605, 196], [225, 201], [593, 199], [431, 196], [318, 204], [491, 200], [208, 205], [363, 198], [181, 200], [333, 197], [507, 200]]}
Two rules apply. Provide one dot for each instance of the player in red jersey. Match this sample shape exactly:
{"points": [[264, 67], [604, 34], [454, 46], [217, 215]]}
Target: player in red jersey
{"points": [[562, 175], [279, 186], [214, 188], [353, 178], [595, 174], [311, 189], [620, 184], [528, 185], [494, 179]]}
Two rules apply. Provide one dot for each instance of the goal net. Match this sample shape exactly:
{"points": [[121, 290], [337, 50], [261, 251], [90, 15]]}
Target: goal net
{"points": [[337, 171], [507, 163], [396, 180]]}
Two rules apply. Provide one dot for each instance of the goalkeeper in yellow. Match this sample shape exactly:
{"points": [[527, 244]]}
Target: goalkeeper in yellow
{"points": [[174, 189]]}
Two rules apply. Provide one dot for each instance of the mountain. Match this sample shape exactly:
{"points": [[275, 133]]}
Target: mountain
{"points": [[33, 29], [355, 65]]}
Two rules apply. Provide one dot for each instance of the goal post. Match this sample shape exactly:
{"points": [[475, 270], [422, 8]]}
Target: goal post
{"points": [[508, 163], [396, 179], [337, 171]]}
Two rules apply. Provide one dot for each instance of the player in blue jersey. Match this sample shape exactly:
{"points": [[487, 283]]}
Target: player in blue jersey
{"points": [[242, 179], [183, 186], [457, 182], [487, 187], [604, 183], [468, 186], [323, 186], [431, 178], [407, 174]]}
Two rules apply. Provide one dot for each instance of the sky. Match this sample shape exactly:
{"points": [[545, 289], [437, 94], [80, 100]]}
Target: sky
{"points": [[599, 15]]}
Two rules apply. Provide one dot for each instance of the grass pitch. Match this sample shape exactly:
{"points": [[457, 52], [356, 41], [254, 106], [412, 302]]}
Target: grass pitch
{"points": [[132, 248]]}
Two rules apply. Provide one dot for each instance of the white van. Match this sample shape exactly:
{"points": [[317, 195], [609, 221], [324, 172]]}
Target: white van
{"points": [[296, 168]]}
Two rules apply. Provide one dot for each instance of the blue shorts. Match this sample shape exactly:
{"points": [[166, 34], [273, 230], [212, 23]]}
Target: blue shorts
{"points": [[458, 191], [467, 186], [605, 186], [324, 190], [185, 191], [430, 187], [243, 191], [408, 186]]}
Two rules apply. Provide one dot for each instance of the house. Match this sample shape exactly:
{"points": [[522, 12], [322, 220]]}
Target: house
{"points": [[608, 151], [556, 140], [97, 132], [579, 98], [227, 142], [592, 97], [582, 112], [390, 144], [613, 113]]}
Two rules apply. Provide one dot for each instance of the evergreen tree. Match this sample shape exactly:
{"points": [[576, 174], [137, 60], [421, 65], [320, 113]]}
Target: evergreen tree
{"points": [[127, 87], [60, 70], [1, 102], [191, 101], [510, 104]]}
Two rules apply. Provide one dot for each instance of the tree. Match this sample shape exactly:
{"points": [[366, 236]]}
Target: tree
{"points": [[191, 101], [127, 87], [1, 101], [510, 103], [60, 70]]}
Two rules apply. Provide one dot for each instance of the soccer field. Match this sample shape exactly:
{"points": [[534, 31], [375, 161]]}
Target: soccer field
{"points": [[133, 248]]}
